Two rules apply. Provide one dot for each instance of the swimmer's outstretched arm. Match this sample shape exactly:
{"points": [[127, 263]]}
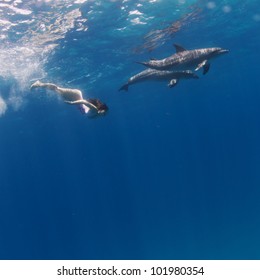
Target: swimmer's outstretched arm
{"points": [[83, 101]]}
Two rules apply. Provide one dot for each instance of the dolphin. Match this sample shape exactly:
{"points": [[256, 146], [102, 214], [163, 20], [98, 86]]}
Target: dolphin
{"points": [[156, 75], [186, 59]]}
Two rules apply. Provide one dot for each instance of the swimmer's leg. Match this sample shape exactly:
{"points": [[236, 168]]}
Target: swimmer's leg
{"points": [[44, 85], [65, 92]]}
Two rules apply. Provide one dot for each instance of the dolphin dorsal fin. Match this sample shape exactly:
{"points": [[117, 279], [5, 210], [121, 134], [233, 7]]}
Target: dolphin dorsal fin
{"points": [[179, 48]]}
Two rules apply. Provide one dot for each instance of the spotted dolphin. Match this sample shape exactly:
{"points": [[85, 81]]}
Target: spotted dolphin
{"points": [[186, 59], [156, 75]]}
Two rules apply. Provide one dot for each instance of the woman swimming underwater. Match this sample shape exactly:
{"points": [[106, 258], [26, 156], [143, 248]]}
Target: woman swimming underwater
{"points": [[91, 106]]}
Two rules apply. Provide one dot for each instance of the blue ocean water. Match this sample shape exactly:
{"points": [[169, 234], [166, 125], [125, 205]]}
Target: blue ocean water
{"points": [[167, 173]]}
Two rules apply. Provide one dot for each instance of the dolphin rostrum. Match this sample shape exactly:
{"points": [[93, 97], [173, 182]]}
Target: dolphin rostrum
{"points": [[156, 75], [186, 59]]}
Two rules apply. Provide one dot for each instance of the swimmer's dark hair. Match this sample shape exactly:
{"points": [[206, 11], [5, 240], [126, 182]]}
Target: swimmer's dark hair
{"points": [[102, 107]]}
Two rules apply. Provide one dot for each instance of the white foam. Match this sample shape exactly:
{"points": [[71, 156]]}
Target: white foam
{"points": [[137, 20], [20, 63], [3, 106], [135, 12], [211, 5], [15, 101], [15, 9], [27, 39], [80, 1], [226, 9]]}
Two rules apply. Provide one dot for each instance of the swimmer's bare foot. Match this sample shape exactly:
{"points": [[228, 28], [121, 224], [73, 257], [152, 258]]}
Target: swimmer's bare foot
{"points": [[36, 84]]}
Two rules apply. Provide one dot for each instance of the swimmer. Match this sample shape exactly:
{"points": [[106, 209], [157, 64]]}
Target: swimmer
{"points": [[90, 106]]}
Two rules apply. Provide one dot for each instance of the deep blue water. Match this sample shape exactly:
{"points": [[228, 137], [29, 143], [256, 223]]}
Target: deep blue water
{"points": [[167, 173]]}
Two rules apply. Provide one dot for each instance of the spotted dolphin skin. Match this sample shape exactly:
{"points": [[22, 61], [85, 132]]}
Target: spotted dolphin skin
{"points": [[186, 59], [156, 75]]}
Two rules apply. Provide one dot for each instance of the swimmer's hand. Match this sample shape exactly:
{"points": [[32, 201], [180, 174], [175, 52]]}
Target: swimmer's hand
{"points": [[99, 108]]}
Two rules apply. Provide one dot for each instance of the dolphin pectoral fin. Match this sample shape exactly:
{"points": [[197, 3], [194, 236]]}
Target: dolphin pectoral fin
{"points": [[202, 64], [179, 48], [173, 83], [205, 65], [206, 68]]}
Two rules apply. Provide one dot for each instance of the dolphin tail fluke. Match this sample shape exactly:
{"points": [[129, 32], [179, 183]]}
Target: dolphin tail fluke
{"points": [[124, 87]]}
